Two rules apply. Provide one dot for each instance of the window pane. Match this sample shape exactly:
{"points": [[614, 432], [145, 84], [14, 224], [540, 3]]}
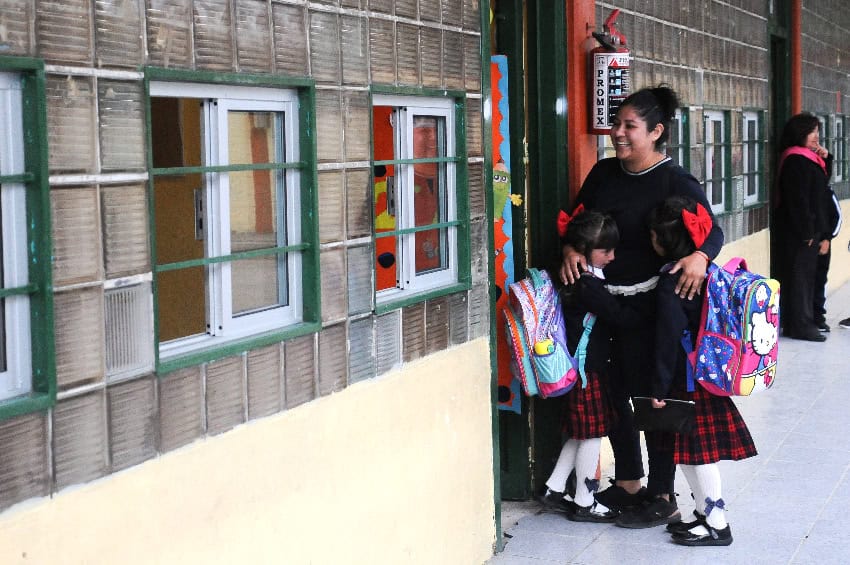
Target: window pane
{"points": [[429, 192], [254, 137], [386, 265], [258, 284], [182, 311]]}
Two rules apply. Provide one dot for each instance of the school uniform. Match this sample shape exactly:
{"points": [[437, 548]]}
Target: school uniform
{"points": [[589, 411], [720, 432]]}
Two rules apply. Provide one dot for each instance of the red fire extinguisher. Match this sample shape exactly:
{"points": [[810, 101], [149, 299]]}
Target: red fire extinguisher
{"points": [[610, 77]]}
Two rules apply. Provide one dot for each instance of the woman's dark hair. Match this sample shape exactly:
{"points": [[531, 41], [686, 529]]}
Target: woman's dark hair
{"points": [[655, 106], [796, 130], [669, 227], [591, 230]]}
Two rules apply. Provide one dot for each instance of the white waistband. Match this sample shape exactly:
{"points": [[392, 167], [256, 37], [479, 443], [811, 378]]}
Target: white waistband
{"points": [[632, 289]]}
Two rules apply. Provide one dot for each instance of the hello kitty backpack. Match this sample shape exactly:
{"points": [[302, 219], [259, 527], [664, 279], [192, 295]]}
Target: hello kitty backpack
{"points": [[738, 340]]}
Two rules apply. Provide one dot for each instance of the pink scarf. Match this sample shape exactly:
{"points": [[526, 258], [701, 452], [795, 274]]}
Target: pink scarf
{"points": [[803, 151]]}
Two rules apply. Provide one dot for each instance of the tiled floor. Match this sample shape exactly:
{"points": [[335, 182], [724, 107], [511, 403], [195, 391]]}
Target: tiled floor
{"points": [[788, 505]]}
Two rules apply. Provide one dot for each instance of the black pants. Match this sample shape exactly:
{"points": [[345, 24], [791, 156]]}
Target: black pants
{"points": [[821, 271], [631, 375], [797, 296]]}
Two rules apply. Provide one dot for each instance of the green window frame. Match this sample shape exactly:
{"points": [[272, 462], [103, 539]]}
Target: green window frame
{"points": [[284, 108], [837, 145], [36, 389], [451, 222]]}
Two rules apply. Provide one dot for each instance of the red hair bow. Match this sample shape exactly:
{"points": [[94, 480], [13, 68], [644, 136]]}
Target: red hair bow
{"points": [[698, 225], [564, 219]]}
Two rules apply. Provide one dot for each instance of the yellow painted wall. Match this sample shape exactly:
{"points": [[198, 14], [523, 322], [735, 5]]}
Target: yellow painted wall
{"points": [[398, 469]]}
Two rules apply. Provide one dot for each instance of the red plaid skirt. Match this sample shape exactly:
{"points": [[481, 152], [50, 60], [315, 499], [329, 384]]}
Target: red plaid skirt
{"points": [[720, 432], [588, 412]]}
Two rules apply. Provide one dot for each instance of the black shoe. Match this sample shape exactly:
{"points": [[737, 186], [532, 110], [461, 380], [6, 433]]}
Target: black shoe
{"points": [[844, 324], [619, 499], [682, 527], [823, 328], [592, 513], [653, 513], [553, 500], [713, 537], [812, 335]]}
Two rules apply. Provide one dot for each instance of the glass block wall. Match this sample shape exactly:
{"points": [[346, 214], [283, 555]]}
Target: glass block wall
{"points": [[113, 411], [714, 54]]}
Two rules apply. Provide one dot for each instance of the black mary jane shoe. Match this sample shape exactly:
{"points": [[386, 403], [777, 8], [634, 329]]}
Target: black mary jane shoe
{"points": [[592, 513], [682, 527], [713, 537]]}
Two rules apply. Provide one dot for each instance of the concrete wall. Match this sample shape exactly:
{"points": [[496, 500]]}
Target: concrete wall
{"points": [[393, 470]]}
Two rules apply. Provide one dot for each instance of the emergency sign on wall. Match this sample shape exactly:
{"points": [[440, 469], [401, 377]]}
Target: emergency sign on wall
{"points": [[609, 72]]}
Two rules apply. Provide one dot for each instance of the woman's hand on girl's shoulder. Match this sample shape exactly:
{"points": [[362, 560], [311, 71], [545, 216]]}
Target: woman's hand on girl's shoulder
{"points": [[573, 265], [693, 268]]}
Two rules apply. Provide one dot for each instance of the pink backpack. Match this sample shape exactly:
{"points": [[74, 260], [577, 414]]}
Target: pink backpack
{"points": [[738, 340]]}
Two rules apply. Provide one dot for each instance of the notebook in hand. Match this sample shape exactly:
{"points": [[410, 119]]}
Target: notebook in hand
{"points": [[677, 415]]}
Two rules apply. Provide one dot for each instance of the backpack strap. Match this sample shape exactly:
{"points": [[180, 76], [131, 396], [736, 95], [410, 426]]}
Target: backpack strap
{"points": [[581, 348], [536, 279], [686, 345]]}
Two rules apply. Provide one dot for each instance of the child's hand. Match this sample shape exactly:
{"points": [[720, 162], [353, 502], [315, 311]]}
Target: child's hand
{"points": [[658, 403]]}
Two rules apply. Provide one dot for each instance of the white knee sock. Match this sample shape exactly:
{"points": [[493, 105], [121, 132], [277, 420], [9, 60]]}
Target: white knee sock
{"points": [[708, 477], [566, 461], [699, 498], [587, 461]]}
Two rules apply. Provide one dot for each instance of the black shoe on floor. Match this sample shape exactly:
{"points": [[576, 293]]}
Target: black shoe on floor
{"points": [[682, 526], [592, 513], [653, 513], [823, 327], [812, 335], [619, 499], [713, 537], [844, 324], [553, 500]]}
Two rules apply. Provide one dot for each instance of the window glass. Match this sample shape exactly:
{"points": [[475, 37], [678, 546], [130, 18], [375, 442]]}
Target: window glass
{"points": [[226, 225], [715, 166], [752, 148], [415, 195]]}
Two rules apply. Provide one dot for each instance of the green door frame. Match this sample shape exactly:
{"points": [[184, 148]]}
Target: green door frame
{"points": [[538, 108]]}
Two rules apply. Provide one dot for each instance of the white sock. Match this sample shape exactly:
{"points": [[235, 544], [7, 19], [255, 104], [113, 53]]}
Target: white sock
{"points": [[566, 461], [708, 477], [691, 476], [587, 461]]}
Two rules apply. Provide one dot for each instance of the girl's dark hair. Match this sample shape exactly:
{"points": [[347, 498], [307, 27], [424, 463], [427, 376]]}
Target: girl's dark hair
{"points": [[655, 106], [669, 227], [591, 230], [796, 130]]}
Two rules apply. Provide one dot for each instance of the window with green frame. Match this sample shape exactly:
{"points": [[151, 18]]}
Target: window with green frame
{"points": [[753, 144], [27, 361], [717, 151], [421, 211], [234, 200]]}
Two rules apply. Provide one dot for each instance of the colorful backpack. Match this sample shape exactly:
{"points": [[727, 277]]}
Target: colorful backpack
{"points": [[738, 340], [537, 338]]}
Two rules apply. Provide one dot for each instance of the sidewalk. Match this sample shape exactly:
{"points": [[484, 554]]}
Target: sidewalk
{"points": [[790, 504]]}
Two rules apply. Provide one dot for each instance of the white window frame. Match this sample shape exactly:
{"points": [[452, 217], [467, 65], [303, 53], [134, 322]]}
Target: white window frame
{"points": [[838, 148], [711, 145], [218, 100], [751, 170], [679, 125], [16, 379], [410, 283]]}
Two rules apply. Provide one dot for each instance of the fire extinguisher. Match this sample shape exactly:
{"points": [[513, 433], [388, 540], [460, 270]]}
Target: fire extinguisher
{"points": [[610, 76]]}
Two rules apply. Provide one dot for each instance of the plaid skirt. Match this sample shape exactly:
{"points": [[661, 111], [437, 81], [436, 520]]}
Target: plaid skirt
{"points": [[720, 432], [588, 412]]}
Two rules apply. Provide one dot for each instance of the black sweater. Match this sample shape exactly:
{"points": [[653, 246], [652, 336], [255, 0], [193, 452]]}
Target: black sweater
{"points": [[589, 295], [629, 198], [805, 201], [674, 315]]}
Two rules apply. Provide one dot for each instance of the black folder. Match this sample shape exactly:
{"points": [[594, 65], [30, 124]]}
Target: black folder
{"points": [[677, 416]]}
